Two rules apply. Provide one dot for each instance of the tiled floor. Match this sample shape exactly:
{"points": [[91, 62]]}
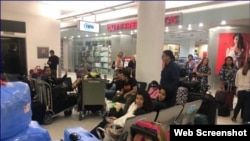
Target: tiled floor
{"points": [[60, 123]]}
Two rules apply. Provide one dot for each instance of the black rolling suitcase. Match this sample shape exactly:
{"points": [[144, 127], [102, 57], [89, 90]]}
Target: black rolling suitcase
{"points": [[208, 106], [38, 111], [193, 86]]}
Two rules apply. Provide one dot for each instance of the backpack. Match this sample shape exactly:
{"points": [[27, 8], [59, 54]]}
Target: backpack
{"points": [[113, 65]]}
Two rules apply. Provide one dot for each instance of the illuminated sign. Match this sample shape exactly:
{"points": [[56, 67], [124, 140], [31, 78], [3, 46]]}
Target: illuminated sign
{"points": [[89, 27], [131, 25], [122, 26], [172, 20]]}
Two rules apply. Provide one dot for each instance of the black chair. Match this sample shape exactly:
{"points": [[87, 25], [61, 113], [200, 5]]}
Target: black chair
{"points": [[142, 85]]}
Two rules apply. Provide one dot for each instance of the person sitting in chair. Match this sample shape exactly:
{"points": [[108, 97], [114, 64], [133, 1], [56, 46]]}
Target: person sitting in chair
{"points": [[141, 105], [128, 91], [162, 100], [50, 79]]}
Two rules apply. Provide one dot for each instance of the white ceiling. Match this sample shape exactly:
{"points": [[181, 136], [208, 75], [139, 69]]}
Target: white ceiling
{"points": [[104, 11]]}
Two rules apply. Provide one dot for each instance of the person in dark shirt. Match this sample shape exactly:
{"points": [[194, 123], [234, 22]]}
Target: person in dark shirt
{"points": [[53, 62], [51, 79], [128, 91], [12, 65], [114, 86], [170, 75]]}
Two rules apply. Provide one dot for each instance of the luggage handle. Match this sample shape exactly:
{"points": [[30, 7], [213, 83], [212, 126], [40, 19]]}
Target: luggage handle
{"points": [[230, 87]]}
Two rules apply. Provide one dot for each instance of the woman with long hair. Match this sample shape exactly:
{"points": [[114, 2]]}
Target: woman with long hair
{"points": [[242, 82], [237, 50], [162, 100], [227, 73], [141, 105], [203, 71]]}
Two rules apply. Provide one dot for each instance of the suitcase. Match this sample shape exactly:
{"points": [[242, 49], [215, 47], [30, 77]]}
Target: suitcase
{"points": [[193, 86], [78, 134], [38, 111], [208, 106], [34, 132], [223, 110], [220, 96], [200, 119], [229, 97]]}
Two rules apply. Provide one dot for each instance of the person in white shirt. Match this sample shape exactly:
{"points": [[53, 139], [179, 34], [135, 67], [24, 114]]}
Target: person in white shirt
{"points": [[242, 82], [141, 105]]}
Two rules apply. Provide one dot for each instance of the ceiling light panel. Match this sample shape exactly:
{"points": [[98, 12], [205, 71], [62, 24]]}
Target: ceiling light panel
{"points": [[80, 7], [116, 14]]}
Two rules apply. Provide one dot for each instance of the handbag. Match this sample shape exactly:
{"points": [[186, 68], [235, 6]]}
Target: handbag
{"points": [[162, 134]]}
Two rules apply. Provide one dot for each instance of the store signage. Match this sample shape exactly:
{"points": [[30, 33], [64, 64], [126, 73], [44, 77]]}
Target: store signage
{"points": [[122, 26], [130, 25], [172, 20], [89, 27]]}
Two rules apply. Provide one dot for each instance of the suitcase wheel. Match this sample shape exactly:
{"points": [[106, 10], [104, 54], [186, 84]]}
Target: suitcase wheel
{"points": [[67, 112], [47, 118]]}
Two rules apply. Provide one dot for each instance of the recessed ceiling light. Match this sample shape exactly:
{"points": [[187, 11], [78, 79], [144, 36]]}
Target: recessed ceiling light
{"points": [[180, 26], [120, 32], [189, 27], [65, 37], [78, 36], [87, 35], [223, 22], [96, 34], [200, 24], [104, 34]]}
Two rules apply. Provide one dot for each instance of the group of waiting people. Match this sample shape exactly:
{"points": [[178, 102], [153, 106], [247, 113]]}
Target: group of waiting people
{"points": [[237, 80], [138, 101], [232, 78]]}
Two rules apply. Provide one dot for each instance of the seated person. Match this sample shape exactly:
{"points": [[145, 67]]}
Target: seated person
{"points": [[128, 91], [114, 86], [50, 79], [162, 101], [141, 105]]}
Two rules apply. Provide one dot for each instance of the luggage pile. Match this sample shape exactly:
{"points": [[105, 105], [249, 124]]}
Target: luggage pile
{"points": [[16, 123]]}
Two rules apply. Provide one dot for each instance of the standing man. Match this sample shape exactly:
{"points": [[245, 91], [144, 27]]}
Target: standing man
{"points": [[53, 62], [170, 75], [12, 65]]}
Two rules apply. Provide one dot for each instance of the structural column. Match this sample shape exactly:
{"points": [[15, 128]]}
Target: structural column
{"points": [[187, 47], [150, 40]]}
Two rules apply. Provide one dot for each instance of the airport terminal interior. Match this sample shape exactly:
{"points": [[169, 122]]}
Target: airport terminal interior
{"points": [[89, 35]]}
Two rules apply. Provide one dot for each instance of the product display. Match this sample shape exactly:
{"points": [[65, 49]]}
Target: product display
{"points": [[96, 56]]}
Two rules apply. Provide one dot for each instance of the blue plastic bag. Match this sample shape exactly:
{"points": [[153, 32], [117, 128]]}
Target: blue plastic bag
{"points": [[15, 108], [34, 132]]}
